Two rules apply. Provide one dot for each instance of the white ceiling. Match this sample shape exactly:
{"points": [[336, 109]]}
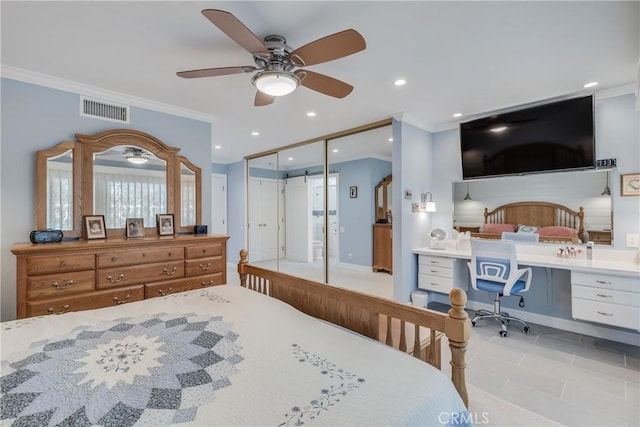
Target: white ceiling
{"points": [[470, 57]]}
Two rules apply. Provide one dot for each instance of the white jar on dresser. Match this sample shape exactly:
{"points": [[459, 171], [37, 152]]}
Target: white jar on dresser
{"points": [[441, 273], [608, 299]]}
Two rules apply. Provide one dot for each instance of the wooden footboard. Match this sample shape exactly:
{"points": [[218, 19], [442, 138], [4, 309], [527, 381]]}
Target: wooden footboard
{"points": [[402, 326]]}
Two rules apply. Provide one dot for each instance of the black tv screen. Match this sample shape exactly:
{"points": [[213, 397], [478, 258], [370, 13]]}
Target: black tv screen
{"points": [[551, 137]]}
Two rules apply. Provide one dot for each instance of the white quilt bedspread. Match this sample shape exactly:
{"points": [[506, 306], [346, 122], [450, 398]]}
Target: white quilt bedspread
{"points": [[220, 356]]}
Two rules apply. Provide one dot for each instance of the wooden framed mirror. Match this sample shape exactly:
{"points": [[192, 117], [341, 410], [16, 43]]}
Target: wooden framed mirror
{"points": [[383, 204], [97, 175]]}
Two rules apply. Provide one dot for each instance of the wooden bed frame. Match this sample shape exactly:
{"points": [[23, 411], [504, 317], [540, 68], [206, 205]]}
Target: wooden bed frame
{"points": [[540, 214], [382, 319]]}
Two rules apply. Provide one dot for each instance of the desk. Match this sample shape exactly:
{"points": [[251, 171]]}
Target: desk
{"points": [[604, 290]]}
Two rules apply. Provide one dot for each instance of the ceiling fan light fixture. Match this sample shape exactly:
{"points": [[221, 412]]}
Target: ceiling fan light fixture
{"points": [[137, 157], [276, 83]]}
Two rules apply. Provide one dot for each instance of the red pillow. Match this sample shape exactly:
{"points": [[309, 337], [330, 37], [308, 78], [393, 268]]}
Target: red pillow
{"points": [[557, 231], [498, 228]]}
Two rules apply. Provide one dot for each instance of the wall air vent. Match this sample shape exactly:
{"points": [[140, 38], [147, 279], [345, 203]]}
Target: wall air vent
{"points": [[103, 110]]}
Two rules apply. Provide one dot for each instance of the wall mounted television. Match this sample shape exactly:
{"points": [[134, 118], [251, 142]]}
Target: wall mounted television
{"points": [[552, 137]]}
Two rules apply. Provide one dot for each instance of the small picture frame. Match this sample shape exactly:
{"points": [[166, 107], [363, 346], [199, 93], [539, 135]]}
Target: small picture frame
{"points": [[94, 227], [630, 184], [165, 224], [135, 227], [353, 191]]}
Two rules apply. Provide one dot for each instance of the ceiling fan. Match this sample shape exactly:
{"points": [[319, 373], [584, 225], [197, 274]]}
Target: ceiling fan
{"points": [[275, 60]]}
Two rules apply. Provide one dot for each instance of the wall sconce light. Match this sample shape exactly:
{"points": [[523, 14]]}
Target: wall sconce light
{"points": [[426, 204]]}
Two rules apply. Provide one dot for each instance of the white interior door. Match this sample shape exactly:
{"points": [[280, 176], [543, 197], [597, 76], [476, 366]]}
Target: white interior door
{"points": [[219, 200], [269, 218], [333, 222], [254, 227], [298, 214]]}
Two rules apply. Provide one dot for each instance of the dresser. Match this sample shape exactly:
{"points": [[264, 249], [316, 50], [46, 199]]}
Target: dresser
{"points": [[382, 248], [55, 278], [442, 274], [609, 299]]}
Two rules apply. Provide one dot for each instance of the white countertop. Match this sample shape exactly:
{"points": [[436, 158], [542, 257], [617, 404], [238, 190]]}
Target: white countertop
{"points": [[618, 262]]}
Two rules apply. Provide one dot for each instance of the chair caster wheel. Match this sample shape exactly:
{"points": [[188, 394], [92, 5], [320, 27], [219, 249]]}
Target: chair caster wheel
{"points": [[526, 329], [503, 334], [473, 323]]}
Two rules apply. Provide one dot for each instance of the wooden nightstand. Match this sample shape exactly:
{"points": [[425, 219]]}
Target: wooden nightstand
{"points": [[600, 237]]}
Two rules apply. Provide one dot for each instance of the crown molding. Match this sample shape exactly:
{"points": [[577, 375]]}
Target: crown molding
{"points": [[32, 77]]}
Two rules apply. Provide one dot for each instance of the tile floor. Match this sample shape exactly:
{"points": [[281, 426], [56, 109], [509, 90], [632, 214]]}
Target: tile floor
{"points": [[573, 379]]}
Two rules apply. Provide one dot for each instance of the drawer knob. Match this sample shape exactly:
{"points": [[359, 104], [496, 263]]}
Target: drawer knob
{"points": [[114, 259], [60, 287], [204, 251], [434, 271], [111, 279], [163, 293], [205, 267], [207, 285], [169, 273], [52, 310], [63, 263], [434, 284], [123, 301], [604, 296], [602, 313], [603, 282]]}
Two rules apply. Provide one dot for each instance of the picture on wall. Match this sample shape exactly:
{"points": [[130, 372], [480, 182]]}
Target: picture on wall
{"points": [[630, 184]]}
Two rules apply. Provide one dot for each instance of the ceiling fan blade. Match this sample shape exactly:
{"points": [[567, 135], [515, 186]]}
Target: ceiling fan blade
{"points": [[324, 84], [263, 99], [236, 30], [211, 72], [328, 48]]}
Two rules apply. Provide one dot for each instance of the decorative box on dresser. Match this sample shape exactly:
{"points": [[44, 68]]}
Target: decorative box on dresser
{"points": [[79, 275], [382, 248]]}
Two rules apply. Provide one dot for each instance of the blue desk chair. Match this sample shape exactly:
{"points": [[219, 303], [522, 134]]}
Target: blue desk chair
{"points": [[521, 237], [494, 268]]}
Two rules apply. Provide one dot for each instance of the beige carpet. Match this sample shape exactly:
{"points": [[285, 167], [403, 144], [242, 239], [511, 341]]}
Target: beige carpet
{"points": [[489, 410]]}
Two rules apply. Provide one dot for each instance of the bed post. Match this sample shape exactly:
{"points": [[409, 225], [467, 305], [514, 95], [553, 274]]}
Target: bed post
{"points": [[243, 261], [457, 327]]}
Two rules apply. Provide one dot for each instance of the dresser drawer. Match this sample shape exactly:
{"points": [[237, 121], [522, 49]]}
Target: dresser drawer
{"points": [[629, 284], [205, 251], [97, 299], [187, 284], [120, 276], [60, 284], [198, 267], [606, 295], [435, 261], [623, 316], [57, 263], [117, 258], [435, 283]]}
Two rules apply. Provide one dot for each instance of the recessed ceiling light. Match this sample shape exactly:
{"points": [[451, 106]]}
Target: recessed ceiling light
{"points": [[335, 150], [400, 82], [289, 158], [457, 115], [311, 114], [591, 84], [498, 129], [255, 133], [217, 147], [390, 139]]}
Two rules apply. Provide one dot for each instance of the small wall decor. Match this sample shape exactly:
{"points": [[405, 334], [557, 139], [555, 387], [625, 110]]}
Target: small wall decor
{"points": [[630, 184], [353, 191], [165, 224], [135, 227], [94, 227], [408, 194]]}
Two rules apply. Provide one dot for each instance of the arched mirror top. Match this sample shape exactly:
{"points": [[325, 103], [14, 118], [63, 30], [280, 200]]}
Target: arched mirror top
{"points": [[166, 172], [383, 209]]}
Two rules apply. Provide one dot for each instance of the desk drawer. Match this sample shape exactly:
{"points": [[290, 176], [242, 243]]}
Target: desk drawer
{"points": [[623, 316], [435, 270], [606, 295], [629, 284], [435, 261], [435, 283]]}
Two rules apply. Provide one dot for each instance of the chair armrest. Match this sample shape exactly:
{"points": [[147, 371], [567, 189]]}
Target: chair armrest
{"points": [[512, 280]]}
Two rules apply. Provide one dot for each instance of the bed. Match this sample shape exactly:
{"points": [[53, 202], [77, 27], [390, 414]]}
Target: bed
{"points": [[551, 221], [238, 355]]}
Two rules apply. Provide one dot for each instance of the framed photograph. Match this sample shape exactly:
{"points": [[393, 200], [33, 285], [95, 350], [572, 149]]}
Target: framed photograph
{"points": [[94, 227], [165, 224], [135, 227], [353, 192], [630, 184]]}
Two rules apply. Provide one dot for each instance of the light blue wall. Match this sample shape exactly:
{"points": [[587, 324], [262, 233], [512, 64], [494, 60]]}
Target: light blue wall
{"points": [[219, 168], [236, 210], [35, 118]]}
